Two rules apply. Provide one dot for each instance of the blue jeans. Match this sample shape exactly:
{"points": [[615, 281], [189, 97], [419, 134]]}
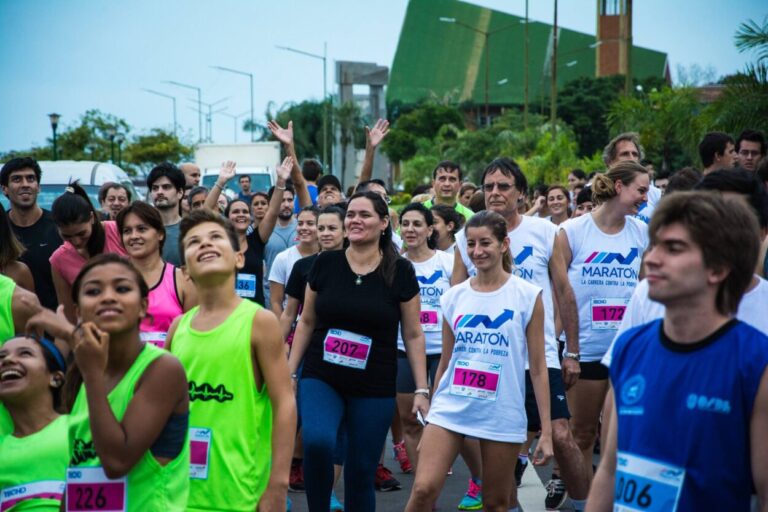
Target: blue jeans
{"points": [[366, 420]]}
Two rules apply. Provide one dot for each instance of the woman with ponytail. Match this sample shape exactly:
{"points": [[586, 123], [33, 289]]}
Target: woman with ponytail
{"points": [[84, 236], [354, 301]]}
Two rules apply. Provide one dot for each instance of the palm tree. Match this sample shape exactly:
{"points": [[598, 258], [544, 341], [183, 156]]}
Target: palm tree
{"points": [[751, 36]]}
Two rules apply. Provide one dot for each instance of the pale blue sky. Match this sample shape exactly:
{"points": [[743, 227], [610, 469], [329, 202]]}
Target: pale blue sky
{"points": [[69, 56]]}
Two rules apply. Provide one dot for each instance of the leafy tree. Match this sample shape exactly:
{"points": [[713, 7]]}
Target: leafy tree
{"points": [[424, 121], [349, 121], [751, 36], [307, 118], [145, 151]]}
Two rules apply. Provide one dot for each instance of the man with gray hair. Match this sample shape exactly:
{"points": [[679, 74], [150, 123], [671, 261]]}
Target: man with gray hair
{"points": [[626, 146]]}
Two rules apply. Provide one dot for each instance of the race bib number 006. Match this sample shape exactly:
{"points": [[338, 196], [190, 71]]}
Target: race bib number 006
{"points": [[646, 485]]}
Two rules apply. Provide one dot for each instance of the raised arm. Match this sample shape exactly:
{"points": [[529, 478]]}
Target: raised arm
{"points": [[226, 173], [285, 135], [373, 137], [267, 224]]}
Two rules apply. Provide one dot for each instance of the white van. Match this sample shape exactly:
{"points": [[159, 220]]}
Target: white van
{"points": [[91, 175]]}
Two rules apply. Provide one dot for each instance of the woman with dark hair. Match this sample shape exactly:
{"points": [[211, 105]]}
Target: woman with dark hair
{"points": [[433, 272], [558, 204], [34, 454], [259, 207], [466, 192], [481, 392], [171, 293], [84, 236], [128, 400], [10, 251], [448, 222], [354, 301]]}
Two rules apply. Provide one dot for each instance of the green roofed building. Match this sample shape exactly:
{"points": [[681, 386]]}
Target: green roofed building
{"points": [[444, 45]]}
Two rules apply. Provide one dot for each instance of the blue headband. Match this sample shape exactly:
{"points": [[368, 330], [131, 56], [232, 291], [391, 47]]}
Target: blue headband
{"points": [[55, 352]]}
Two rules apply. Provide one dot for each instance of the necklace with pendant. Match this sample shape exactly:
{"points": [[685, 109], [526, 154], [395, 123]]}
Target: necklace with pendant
{"points": [[359, 280]]}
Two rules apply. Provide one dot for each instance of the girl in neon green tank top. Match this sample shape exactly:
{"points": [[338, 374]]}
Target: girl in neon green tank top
{"points": [[31, 375], [129, 400]]}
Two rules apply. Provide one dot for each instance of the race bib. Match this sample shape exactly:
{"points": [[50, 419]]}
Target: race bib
{"points": [[607, 313], [429, 317], [245, 286], [89, 489], [155, 338], [475, 379], [45, 490], [646, 485], [346, 348], [199, 452]]}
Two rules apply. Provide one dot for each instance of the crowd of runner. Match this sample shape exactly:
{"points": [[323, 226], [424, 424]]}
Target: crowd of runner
{"points": [[193, 351]]}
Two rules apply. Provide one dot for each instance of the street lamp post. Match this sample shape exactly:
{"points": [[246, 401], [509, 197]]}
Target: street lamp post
{"points": [[199, 105], [120, 138], [324, 58], [234, 118], [172, 98], [54, 124], [111, 134], [250, 78], [553, 95], [209, 117], [487, 35]]}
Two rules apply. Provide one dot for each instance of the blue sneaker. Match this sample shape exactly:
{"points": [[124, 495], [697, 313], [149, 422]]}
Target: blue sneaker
{"points": [[336, 505], [473, 499]]}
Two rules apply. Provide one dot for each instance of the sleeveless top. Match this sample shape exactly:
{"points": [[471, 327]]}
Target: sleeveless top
{"points": [[164, 307], [27, 484], [674, 403], [7, 331], [482, 392], [68, 262], [230, 420], [149, 486], [603, 272]]}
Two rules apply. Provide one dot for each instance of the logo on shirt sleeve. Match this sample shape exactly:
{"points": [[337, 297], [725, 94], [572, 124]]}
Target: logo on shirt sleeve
{"points": [[631, 393]]}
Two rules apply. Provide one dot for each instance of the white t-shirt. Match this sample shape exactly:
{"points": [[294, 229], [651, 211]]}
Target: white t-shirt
{"points": [[642, 309], [531, 244], [482, 393], [646, 210], [434, 276], [282, 266], [604, 271]]}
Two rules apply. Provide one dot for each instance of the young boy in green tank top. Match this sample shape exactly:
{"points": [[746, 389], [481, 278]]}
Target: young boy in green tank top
{"points": [[242, 406]]}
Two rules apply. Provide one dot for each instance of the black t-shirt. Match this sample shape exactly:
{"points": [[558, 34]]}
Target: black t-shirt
{"points": [[297, 281], [41, 239], [253, 268], [369, 309]]}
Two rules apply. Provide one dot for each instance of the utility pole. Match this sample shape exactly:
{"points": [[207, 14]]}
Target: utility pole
{"points": [[525, 86], [553, 95]]}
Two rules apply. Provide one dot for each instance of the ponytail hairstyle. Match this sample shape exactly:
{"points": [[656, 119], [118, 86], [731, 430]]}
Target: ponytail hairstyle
{"points": [[75, 207], [386, 246], [498, 227], [450, 216], [604, 185], [429, 220], [74, 378]]}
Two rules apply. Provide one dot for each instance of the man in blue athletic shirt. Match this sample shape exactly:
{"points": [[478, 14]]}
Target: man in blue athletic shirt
{"points": [[687, 430]]}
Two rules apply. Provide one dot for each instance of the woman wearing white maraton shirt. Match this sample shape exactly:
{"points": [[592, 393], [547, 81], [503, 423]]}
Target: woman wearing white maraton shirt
{"points": [[490, 323], [603, 251]]}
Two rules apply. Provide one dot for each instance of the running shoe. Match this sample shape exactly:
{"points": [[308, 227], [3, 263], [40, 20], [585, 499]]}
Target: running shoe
{"points": [[473, 499], [401, 456], [384, 481], [519, 470], [556, 494], [336, 505], [296, 477]]}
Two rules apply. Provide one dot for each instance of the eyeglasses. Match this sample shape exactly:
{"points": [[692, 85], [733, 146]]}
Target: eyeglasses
{"points": [[503, 187], [746, 152]]}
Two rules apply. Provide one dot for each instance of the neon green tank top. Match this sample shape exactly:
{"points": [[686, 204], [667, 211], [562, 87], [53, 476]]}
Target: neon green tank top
{"points": [[230, 420], [25, 482], [7, 331], [149, 486]]}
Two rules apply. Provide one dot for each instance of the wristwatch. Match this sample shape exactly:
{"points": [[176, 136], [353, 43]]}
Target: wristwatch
{"points": [[572, 355]]}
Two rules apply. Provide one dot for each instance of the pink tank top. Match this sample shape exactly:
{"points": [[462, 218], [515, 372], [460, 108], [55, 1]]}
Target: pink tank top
{"points": [[164, 307]]}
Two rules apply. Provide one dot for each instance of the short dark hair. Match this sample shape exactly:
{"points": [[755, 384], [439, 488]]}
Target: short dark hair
{"points": [[509, 168], [429, 220], [195, 191], [734, 245], [240, 178], [713, 143], [421, 189], [147, 213], [448, 166], [104, 190], [17, 164], [363, 186], [579, 174], [751, 136], [739, 181], [167, 170], [449, 215], [288, 188], [683, 180], [585, 195], [201, 216], [311, 169]]}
